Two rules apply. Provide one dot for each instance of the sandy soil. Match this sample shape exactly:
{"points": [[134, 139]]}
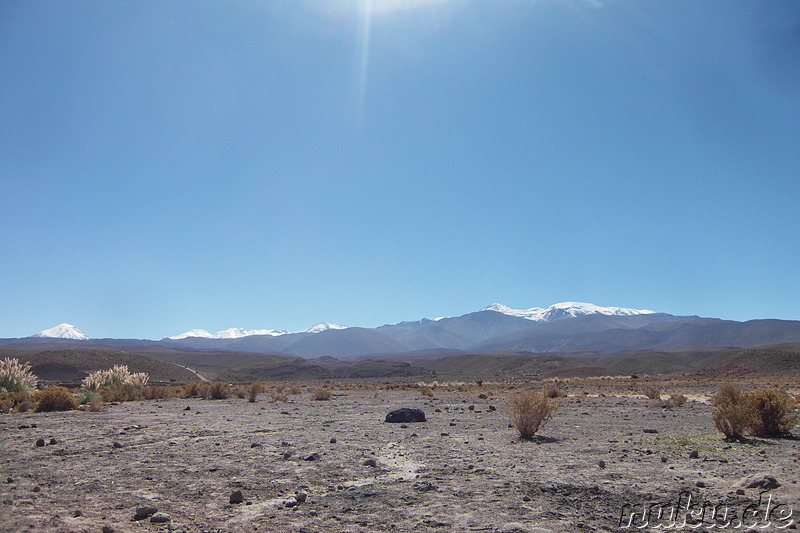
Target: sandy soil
{"points": [[462, 470]]}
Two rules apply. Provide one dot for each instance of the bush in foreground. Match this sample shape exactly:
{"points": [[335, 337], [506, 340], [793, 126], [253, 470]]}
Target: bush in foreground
{"points": [[16, 376], [733, 414], [530, 411], [772, 413], [322, 394], [254, 390], [55, 399]]}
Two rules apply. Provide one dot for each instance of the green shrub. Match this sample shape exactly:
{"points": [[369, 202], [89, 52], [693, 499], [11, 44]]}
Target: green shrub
{"points": [[16, 376], [55, 399], [530, 411]]}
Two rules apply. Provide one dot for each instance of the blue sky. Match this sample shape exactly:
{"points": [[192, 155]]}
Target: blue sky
{"points": [[274, 163]]}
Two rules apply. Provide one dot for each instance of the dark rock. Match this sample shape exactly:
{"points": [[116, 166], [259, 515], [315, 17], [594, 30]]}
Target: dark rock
{"points": [[694, 454], [312, 457], [236, 497], [333, 440], [649, 430], [424, 486], [601, 463], [405, 415], [761, 481], [145, 511], [117, 444], [76, 513], [700, 484], [108, 529], [187, 408], [160, 518], [482, 396], [370, 462], [40, 442], [53, 441], [492, 408], [286, 455], [255, 445], [301, 497], [37, 488]]}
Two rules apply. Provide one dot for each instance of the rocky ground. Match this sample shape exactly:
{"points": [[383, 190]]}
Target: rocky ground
{"points": [[336, 466]]}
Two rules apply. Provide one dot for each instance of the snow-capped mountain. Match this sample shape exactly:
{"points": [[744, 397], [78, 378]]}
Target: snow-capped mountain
{"points": [[238, 333], [230, 333], [565, 310], [322, 326], [62, 331]]}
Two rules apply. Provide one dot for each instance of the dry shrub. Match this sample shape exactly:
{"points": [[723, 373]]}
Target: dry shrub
{"points": [[96, 404], [55, 399], [733, 414], [426, 391], [291, 391], [652, 393], [155, 392], [529, 411], [6, 402], [278, 394], [675, 400], [554, 392], [122, 392], [217, 391], [190, 390], [772, 413], [254, 390], [118, 375], [322, 394]]}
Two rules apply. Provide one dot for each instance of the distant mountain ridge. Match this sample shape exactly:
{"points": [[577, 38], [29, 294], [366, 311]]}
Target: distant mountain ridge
{"points": [[560, 328]]}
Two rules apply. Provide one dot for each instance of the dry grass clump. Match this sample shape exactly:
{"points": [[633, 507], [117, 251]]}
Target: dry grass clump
{"points": [[254, 390], [554, 392], [55, 399], [20, 401], [772, 413], [214, 391], [426, 391], [763, 413], [732, 416], [16, 376], [530, 411], [322, 394], [118, 375], [652, 393], [675, 400], [278, 394]]}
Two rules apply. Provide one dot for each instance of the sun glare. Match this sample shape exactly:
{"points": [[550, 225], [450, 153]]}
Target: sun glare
{"points": [[384, 6]]}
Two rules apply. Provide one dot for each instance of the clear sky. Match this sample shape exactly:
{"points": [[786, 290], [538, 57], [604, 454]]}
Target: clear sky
{"points": [[276, 163]]}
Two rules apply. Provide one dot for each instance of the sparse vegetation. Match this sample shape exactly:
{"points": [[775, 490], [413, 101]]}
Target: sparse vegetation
{"points": [[426, 391], [215, 391], [118, 375], [652, 393], [554, 392], [254, 390], [322, 394], [772, 413], [16, 376], [675, 400], [55, 399], [530, 411]]}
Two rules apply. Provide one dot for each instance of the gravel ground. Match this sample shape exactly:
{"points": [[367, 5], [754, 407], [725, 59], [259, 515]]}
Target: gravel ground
{"points": [[462, 470]]}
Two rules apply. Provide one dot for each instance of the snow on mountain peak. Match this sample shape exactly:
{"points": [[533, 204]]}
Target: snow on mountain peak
{"points": [[62, 331], [230, 333], [322, 326], [564, 310]]}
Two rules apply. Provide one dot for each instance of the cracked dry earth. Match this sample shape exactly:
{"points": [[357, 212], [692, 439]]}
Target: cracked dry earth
{"points": [[462, 470]]}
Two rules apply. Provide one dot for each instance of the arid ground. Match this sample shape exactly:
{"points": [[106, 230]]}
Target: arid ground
{"points": [[462, 470]]}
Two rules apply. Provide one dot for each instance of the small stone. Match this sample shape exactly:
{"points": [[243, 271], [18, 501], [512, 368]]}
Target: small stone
{"points": [[482, 396], [40, 443], [403, 426], [761, 481], [145, 511], [492, 408], [700, 484], [286, 455], [694, 454], [76, 513], [53, 441], [526, 498], [650, 430], [37, 488], [370, 462], [601, 463], [9, 480], [663, 459], [740, 492], [333, 440], [108, 529], [236, 497], [424, 486], [405, 415], [301, 497], [312, 457], [117, 444], [255, 445], [187, 408], [290, 503], [160, 518]]}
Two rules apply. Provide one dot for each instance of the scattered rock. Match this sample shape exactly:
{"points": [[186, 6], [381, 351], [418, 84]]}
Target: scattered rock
{"points": [[117, 444], [53, 441], [663, 459], [694, 454], [482, 396], [146, 511], [312, 457], [187, 408], [108, 529], [286, 455], [301, 497], [492, 408], [424, 486], [76, 513], [370, 462], [650, 430], [236, 497], [256, 445], [601, 463], [405, 415], [40, 442], [333, 440], [700, 484], [761, 481], [160, 518]]}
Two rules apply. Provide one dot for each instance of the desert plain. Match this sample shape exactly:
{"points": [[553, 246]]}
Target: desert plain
{"points": [[305, 465]]}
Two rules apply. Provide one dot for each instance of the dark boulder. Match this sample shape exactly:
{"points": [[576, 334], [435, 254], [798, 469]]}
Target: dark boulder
{"points": [[405, 415]]}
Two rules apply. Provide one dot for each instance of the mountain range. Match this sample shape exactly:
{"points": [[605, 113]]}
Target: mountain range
{"points": [[569, 327]]}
